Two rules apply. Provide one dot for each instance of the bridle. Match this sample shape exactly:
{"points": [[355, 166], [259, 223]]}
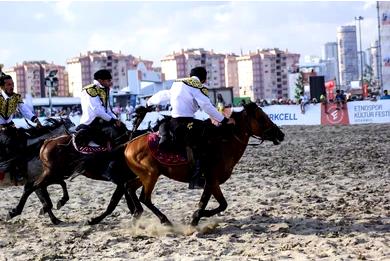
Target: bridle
{"points": [[251, 134]]}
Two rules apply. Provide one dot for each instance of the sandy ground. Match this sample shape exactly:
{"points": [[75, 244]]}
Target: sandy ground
{"points": [[324, 194]]}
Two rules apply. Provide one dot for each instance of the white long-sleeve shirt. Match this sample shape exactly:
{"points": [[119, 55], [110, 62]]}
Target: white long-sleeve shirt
{"points": [[21, 107], [186, 100], [93, 106]]}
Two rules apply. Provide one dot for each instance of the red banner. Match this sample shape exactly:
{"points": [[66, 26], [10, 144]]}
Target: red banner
{"points": [[329, 86]]}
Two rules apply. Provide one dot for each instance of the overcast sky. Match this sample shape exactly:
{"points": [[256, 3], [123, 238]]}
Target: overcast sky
{"points": [[56, 31]]}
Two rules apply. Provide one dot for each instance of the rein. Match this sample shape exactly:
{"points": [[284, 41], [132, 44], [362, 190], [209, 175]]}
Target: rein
{"points": [[248, 132]]}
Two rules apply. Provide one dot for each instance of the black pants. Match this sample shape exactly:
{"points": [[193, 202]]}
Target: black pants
{"points": [[13, 144], [100, 131]]}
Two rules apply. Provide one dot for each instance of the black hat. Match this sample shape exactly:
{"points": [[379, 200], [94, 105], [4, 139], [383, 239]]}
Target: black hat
{"points": [[199, 72], [102, 75]]}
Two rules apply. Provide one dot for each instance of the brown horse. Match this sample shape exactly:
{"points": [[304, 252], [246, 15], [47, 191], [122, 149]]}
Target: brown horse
{"points": [[60, 161], [250, 122]]}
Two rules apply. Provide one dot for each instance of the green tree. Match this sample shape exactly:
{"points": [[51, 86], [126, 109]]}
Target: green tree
{"points": [[299, 86]]}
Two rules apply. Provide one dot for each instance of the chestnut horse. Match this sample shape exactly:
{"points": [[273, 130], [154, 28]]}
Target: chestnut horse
{"points": [[227, 151]]}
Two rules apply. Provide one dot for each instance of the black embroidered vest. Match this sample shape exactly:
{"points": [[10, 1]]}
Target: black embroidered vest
{"points": [[9, 106], [94, 91], [195, 84]]}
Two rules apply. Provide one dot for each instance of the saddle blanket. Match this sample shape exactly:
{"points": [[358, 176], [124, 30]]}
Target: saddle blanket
{"points": [[164, 157]]}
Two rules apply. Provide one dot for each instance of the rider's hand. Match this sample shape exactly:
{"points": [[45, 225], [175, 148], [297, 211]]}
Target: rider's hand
{"points": [[228, 121], [118, 123], [39, 125]]}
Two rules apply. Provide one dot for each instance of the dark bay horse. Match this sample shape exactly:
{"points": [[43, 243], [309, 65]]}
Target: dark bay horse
{"points": [[61, 160], [34, 138], [250, 122]]}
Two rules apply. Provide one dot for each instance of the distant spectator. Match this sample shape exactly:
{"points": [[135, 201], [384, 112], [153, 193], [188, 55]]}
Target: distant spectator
{"points": [[324, 101], [303, 100], [129, 111], [385, 96], [220, 103], [340, 100]]}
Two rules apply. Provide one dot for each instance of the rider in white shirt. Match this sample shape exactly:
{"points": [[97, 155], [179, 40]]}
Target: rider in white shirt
{"points": [[97, 121], [186, 96]]}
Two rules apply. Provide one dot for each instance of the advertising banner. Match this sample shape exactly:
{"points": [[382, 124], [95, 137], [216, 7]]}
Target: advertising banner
{"points": [[292, 115], [331, 115], [369, 112]]}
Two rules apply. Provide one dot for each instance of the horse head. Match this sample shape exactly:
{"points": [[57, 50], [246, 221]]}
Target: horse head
{"points": [[260, 126]]}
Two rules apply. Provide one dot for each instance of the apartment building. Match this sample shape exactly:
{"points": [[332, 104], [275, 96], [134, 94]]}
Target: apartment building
{"points": [[263, 74], [29, 77], [82, 68], [231, 73], [179, 64]]}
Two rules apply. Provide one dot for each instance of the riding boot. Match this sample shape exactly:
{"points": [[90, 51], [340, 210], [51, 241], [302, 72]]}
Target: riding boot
{"points": [[108, 172], [197, 180], [165, 137]]}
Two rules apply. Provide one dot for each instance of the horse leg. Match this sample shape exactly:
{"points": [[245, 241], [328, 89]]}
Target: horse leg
{"points": [[145, 198], [65, 195], [118, 193], [27, 190], [132, 200], [47, 204], [60, 203], [202, 212]]}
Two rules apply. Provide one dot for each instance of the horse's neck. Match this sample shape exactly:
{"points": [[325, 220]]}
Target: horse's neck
{"points": [[235, 147]]}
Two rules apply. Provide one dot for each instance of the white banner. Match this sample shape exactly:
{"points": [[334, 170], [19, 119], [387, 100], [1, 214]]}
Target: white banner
{"points": [[369, 112], [292, 115]]}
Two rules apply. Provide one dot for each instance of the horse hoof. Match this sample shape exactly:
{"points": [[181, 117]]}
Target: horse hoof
{"points": [[93, 221], [194, 223], [42, 212], [11, 214], [60, 204], [56, 221], [167, 223], [9, 217], [137, 214]]}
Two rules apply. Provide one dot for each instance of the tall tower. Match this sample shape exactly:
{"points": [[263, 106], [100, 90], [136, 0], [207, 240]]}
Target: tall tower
{"points": [[348, 55], [331, 58]]}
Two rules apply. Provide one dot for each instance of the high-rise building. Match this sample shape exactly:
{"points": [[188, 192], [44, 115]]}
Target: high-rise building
{"points": [[384, 17], [264, 74], [29, 77], [374, 60], [347, 55], [362, 56], [330, 58], [179, 65], [82, 68], [329, 51]]}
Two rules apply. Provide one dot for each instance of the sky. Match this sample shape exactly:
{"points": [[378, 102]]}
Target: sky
{"points": [[57, 31]]}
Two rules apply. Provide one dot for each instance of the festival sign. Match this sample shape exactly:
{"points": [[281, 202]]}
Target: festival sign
{"points": [[292, 115], [332, 115], [360, 112]]}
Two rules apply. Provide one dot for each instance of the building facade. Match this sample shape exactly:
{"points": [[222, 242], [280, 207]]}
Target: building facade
{"points": [[264, 74], [179, 65], [347, 55], [82, 68], [231, 73], [29, 78]]}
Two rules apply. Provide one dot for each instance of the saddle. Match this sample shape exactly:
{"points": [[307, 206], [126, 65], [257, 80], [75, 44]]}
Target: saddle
{"points": [[86, 145], [163, 156]]}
